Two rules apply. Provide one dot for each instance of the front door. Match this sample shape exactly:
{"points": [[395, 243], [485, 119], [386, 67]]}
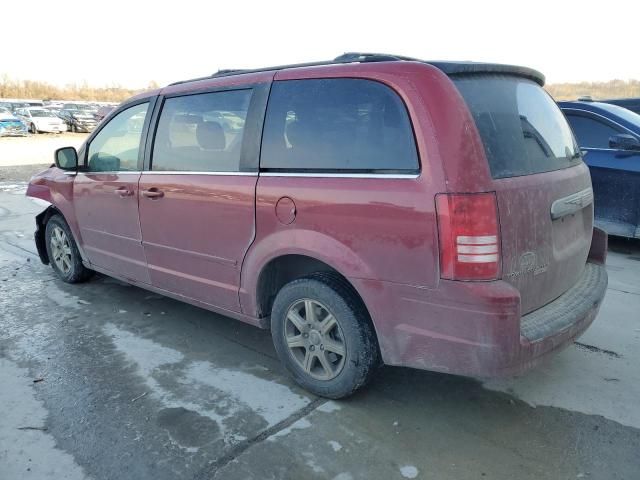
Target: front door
{"points": [[106, 196], [197, 198]]}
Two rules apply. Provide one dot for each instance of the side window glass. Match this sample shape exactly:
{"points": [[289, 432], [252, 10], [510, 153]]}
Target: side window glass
{"points": [[117, 146], [591, 133], [201, 133], [337, 125]]}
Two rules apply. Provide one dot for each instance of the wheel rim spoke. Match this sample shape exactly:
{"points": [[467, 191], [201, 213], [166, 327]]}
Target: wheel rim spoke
{"points": [[296, 319], [326, 364], [308, 361], [334, 346], [296, 341], [327, 324], [309, 311]]}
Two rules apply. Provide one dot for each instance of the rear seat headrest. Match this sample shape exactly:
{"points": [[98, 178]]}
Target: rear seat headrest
{"points": [[210, 136]]}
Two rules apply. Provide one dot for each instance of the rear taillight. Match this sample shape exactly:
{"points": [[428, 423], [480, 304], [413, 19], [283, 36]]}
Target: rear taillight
{"points": [[469, 236]]}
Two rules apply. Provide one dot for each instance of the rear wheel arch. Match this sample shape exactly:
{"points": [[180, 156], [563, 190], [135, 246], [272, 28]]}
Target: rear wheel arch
{"points": [[284, 269]]}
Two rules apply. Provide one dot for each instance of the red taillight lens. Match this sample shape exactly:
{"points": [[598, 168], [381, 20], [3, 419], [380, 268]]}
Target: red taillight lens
{"points": [[469, 236]]}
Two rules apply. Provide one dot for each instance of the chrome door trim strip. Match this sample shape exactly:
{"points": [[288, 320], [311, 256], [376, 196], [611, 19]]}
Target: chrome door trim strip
{"points": [[342, 175], [227, 174]]}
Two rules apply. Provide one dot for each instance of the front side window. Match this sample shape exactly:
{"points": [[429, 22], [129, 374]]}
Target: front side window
{"points": [[201, 133], [117, 146], [337, 125], [591, 133]]}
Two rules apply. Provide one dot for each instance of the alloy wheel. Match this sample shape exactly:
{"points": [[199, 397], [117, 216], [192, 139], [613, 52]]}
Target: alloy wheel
{"points": [[61, 250], [315, 339]]}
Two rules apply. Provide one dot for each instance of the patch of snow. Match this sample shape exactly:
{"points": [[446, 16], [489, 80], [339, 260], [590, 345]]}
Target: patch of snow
{"points": [[409, 471], [299, 425], [343, 476], [272, 401], [335, 445], [329, 407]]}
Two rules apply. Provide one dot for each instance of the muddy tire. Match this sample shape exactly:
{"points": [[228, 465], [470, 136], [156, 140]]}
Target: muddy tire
{"points": [[323, 335], [63, 253]]}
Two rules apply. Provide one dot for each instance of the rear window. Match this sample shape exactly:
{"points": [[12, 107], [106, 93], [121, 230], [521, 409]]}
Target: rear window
{"points": [[339, 125], [522, 128]]}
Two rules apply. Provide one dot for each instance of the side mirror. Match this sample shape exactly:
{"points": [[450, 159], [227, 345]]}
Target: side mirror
{"points": [[624, 141], [66, 158]]}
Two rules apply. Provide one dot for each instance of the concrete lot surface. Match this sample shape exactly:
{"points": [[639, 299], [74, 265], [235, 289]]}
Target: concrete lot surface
{"points": [[107, 381], [36, 149]]}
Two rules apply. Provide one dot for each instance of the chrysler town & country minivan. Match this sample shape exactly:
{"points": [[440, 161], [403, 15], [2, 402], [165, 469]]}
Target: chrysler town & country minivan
{"points": [[370, 210]]}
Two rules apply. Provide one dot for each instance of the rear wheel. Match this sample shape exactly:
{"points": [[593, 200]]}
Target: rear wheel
{"points": [[63, 252], [323, 336]]}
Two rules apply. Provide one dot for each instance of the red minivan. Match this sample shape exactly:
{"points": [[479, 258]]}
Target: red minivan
{"points": [[372, 209]]}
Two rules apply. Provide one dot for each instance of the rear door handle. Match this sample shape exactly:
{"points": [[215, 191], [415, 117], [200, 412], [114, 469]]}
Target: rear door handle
{"points": [[153, 192], [123, 192]]}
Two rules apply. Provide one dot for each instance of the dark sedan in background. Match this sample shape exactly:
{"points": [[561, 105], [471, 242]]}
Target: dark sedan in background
{"points": [[78, 120], [610, 137]]}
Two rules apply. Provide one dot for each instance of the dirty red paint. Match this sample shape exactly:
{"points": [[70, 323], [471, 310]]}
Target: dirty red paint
{"points": [[208, 239]]}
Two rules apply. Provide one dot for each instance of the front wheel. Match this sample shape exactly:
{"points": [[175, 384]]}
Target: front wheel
{"points": [[323, 335], [63, 252], [33, 128]]}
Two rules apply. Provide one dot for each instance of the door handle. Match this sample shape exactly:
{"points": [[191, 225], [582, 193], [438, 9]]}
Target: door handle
{"points": [[152, 193], [123, 192]]}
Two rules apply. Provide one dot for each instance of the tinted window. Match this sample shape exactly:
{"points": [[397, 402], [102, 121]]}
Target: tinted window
{"points": [[337, 124], [201, 133], [522, 128], [590, 132], [117, 145]]}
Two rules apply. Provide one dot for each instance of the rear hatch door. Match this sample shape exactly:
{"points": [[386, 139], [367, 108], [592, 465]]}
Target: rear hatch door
{"points": [[543, 188]]}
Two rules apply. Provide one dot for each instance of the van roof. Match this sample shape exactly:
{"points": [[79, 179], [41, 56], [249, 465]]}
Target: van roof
{"points": [[448, 67]]}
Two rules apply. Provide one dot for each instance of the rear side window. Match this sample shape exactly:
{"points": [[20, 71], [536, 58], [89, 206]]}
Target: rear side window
{"points": [[592, 133], [201, 133], [339, 125], [522, 128]]}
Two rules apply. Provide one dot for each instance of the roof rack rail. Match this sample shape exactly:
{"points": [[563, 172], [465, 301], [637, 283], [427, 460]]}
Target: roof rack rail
{"points": [[227, 71], [447, 67], [349, 57]]}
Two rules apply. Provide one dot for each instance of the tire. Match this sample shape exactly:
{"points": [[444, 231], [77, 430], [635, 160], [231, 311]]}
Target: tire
{"points": [[329, 374], [74, 129], [60, 242], [33, 129]]}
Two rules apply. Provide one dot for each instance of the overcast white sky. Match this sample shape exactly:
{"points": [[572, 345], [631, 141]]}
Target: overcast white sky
{"points": [[131, 42]]}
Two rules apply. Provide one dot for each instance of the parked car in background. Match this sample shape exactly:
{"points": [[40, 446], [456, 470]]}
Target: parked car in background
{"points": [[103, 111], [39, 119], [10, 125], [372, 209], [78, 120], [632, 104], [610, 136]]}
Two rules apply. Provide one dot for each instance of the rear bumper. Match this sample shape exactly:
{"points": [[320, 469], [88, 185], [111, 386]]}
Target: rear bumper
{"points": [[475, 328]]}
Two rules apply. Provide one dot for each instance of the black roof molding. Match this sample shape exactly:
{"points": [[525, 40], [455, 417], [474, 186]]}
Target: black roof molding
{"points": [[470, 68], [447, 67]]}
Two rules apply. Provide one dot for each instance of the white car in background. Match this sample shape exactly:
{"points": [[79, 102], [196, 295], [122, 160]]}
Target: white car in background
{"points": [[39, 119]]}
